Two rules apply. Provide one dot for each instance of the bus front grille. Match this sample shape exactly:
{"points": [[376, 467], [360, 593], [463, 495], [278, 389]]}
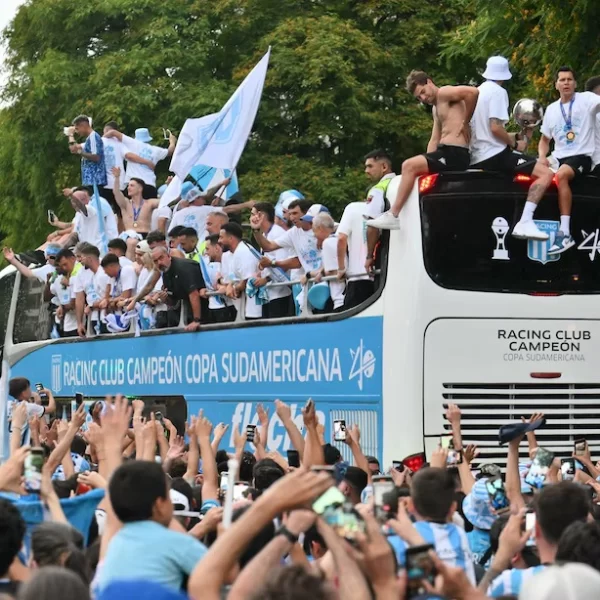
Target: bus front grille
{"points": [[572, 412]]}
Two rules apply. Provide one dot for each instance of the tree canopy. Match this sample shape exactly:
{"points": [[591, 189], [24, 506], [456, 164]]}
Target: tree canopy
{"points": [[334, 90]]}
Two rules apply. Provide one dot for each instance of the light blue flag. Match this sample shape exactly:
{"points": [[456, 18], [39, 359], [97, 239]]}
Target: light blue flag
{"points": [[206, 177], [98, 207]]}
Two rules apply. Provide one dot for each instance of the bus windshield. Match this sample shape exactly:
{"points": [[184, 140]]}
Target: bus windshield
{"points": [[466, 225]]}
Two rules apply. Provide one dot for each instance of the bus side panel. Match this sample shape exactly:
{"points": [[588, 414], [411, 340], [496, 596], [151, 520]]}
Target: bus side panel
{"points": [[338, 364]]}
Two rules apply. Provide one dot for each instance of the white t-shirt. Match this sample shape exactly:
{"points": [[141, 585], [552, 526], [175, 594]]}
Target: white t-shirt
{"points": [[583, 116], [64, 295], [492, 103], [227, 273], [281, 254], [41, 273], [114, 156], [244, 266], [125, 262], [160, 213], [110, 219], [88, 228], [33, 410], [125, 280], [302, 244], [596, 156], [330, 263], [376, 199], [151, 153], [354, 225], [213, 269], [192, 216], [94, 285]]}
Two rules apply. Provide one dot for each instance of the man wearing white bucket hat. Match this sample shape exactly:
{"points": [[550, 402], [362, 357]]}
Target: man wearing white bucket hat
{"points": [[494, 149]]}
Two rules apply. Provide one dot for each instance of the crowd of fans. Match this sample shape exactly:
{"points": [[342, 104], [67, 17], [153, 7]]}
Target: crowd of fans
{"points": [[124, 261], [131, 505]]}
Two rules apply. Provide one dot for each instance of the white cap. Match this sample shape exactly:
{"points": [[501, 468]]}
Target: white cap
{"points": [[497, 69], [572, 581], [181, 505]]}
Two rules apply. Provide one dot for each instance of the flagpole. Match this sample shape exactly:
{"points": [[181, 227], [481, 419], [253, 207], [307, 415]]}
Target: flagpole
{"points": [[98, 207]]}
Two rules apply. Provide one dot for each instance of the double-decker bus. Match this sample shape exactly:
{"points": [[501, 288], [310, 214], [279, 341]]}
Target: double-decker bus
{"points": [[464, 313]]}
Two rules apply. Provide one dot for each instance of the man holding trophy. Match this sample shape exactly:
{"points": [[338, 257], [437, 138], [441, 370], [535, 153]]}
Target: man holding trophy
{"points": [[570, 122], [494, 149]]}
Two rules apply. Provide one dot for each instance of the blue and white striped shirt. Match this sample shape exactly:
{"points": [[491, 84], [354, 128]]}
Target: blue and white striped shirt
{"points": [[449, 540], [511, 581]]}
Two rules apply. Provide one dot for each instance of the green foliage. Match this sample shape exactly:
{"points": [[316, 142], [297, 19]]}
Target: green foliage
{"points": [[537, 36], [334, 90]]}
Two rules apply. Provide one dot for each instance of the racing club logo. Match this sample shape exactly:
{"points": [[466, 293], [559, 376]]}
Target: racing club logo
{"points": [[538, 250], [363, 364]]}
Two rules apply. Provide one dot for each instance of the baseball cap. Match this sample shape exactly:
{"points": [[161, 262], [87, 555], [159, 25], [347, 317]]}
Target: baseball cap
{"points": [[185, 188], [313, 211], [181, 505], [143, 247], [560, 582], [192, 194], [161, 190], [514, 430]]}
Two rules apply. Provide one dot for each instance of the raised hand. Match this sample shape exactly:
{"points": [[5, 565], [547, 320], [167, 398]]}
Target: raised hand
{"points": [[263, 414], [283, 411], [203, 426]]}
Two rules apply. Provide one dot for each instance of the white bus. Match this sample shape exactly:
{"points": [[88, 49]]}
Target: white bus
{"points": [[463, 313]]}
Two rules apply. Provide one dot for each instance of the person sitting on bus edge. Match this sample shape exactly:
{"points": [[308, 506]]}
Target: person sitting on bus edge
{"points": [[92, 286], [118, 247], [448, 148], [593, 85], [244, 266], [188, 240], [378, 167], [123, 280], [494, 149], [93, 167], [299, 241], [219, 310], [571, 123], [183, 280], [63, 289], [86, 224], [279, 304]]}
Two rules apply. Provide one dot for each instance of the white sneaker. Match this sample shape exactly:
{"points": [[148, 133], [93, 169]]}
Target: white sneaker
{"points": [[385, 221], [527, 230]]}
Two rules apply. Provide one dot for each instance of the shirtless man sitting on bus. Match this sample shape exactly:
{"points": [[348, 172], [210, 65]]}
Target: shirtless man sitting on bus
{"points": [[448, 148]]}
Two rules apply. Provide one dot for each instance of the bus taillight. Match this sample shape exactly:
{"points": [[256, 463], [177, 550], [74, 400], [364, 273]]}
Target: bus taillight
{"points": [[427, 182], [545, 375], [549, 294], [521, 178]]}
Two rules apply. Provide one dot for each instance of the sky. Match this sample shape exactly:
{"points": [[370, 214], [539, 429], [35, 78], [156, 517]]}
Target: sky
{"points": [[8, 9]]}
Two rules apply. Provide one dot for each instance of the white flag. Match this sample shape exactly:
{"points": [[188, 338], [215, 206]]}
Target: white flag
{"points": [[218, 140]]}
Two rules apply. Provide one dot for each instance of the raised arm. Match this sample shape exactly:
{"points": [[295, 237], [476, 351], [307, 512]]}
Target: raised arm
{"points": [[133, 157], [119, 196], [210, 487], [466, 93], [285, 414], [9, 255], [64, 446], [313, 451], [172, 144]]}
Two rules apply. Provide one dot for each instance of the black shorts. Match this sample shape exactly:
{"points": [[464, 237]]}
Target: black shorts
{"points": [[596, 171], [448, 158], [508, 161], [358, 292], [581, 164]]}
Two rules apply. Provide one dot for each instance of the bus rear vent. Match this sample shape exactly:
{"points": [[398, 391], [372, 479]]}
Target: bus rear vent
{"points": [[572, 411]]}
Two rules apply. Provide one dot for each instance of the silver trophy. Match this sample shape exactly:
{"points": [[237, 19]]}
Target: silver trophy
{"points": [[528, 114]]}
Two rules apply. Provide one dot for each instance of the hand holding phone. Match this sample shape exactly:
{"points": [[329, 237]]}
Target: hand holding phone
{"points": [[78, 399], [498, 498], [419, 568], [250, 433], [580, 446], [293, 458], [539, 468], [32, 470], [39, 387]]}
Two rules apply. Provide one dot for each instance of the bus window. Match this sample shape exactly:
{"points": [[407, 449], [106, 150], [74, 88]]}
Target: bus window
{"points": [[32, 317], [467, 244]]}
